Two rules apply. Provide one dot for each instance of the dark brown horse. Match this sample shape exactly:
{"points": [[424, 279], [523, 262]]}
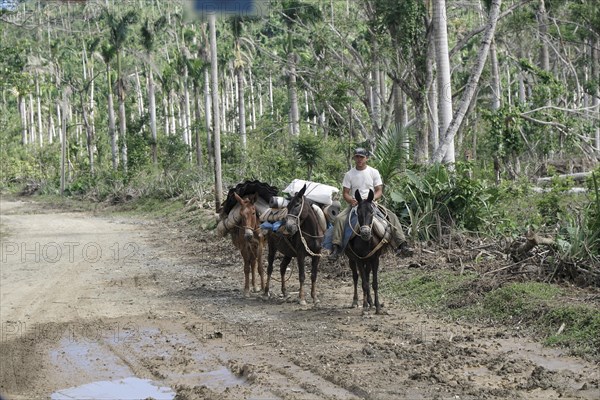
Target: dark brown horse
{"points": [[247, 237], [363, 251], [303, 237]]}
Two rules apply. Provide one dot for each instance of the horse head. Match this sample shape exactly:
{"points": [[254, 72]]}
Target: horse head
{"points": [[248, 214], [296, 211], [364, 213]]}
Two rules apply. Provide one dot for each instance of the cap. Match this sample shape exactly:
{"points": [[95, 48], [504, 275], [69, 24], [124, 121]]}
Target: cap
{"points": [[359, 151]]}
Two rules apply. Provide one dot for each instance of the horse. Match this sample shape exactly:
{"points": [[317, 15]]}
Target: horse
{"points": [[363, 251], [303, 236], [247, 237]]}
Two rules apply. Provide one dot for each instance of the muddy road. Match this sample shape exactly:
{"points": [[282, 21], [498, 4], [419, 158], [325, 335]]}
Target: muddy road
{"points": [[100, 306]]}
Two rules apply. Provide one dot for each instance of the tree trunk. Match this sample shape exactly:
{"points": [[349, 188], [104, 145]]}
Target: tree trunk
{"points": [[208, 119], [241, 107], [112, 132], [198, 106], [122, 114], [271, 93], [542, 17], [293, 95], [32, 132], [444, 84], [186, 109], [216, 119], [252, 100], [152, 110], [23, 113], [38, 101], [472, 83], [88, 131], [140, 97], [495, 69]]}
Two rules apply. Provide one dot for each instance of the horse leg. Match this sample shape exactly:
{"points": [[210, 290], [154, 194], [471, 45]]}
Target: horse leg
{"points": [[282, 268], [270, 261], [364, 276], [301, 278], [376, 286], [261, 270], [247, 267], [355, 279], [313, 279], [368, 275]]}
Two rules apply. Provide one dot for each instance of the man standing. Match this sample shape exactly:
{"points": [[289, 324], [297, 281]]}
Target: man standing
{"points": [[362, 178]]}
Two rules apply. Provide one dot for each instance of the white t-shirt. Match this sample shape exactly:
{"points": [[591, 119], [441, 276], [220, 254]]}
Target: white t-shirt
{"points": [[363, 180]]}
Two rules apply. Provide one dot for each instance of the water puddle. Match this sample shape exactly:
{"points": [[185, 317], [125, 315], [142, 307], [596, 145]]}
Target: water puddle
{"points": [[551, 359], [127, 388], [217, 379]]}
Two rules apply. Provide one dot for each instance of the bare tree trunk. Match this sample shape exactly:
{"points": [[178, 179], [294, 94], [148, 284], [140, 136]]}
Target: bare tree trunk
{"points": [[472, 83], [23, 113], [138, 90], [198, 106], [496, 89], [444, 83], [432, 101], [215, 97], [260, 101], [32, 132], [271, 93], [172, 118], [252, 100], [186, 110], [595, 70], [89, 133], [112, 132], [208, 120], [241, 107], [38, 99], [122, 114], [542, 17], [293, 95], [152, 107]]}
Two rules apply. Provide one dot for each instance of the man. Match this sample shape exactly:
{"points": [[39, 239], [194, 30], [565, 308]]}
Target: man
{"points": [[362, 178]]}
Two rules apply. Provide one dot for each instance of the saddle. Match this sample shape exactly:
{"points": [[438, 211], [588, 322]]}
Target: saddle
{"points": [[381, 225]]}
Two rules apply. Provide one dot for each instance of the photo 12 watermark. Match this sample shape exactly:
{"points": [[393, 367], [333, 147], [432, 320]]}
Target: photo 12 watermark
{"points": [[89, 332], [12, 252]]}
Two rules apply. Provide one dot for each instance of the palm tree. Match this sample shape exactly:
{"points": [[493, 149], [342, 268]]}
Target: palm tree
{"points": [[119, 30], [295, 11], [148, 32], [242, 58], [108, 52]]}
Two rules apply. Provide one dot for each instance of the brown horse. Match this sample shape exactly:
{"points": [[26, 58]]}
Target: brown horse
{"points": [[303, 236], [363, 251], [247, 237]]}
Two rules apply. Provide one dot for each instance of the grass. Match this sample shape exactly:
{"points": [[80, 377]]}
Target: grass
{"points": [[543, 310]]}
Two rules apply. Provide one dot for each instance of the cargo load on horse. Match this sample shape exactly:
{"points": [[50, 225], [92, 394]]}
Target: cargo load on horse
{"points": [[322, 196]]}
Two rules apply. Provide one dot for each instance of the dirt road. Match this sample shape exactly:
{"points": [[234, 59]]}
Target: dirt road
{"points": [[112, 307]]}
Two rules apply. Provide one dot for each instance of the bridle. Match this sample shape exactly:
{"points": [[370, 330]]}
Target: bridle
{"points": [[365, 233]]}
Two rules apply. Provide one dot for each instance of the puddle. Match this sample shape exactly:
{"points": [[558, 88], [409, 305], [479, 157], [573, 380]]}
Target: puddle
{"points": [[551, 359], [218, 379], [122, 389]]}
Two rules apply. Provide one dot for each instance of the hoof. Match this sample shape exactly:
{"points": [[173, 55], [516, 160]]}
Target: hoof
{"points": [[354, 304], [302, 302]]}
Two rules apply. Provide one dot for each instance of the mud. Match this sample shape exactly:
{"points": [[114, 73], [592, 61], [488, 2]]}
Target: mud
{"points": [[135, 308]]}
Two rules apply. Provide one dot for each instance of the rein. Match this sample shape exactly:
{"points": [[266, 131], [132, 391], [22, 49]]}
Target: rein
{"points": [[301, 232]]}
